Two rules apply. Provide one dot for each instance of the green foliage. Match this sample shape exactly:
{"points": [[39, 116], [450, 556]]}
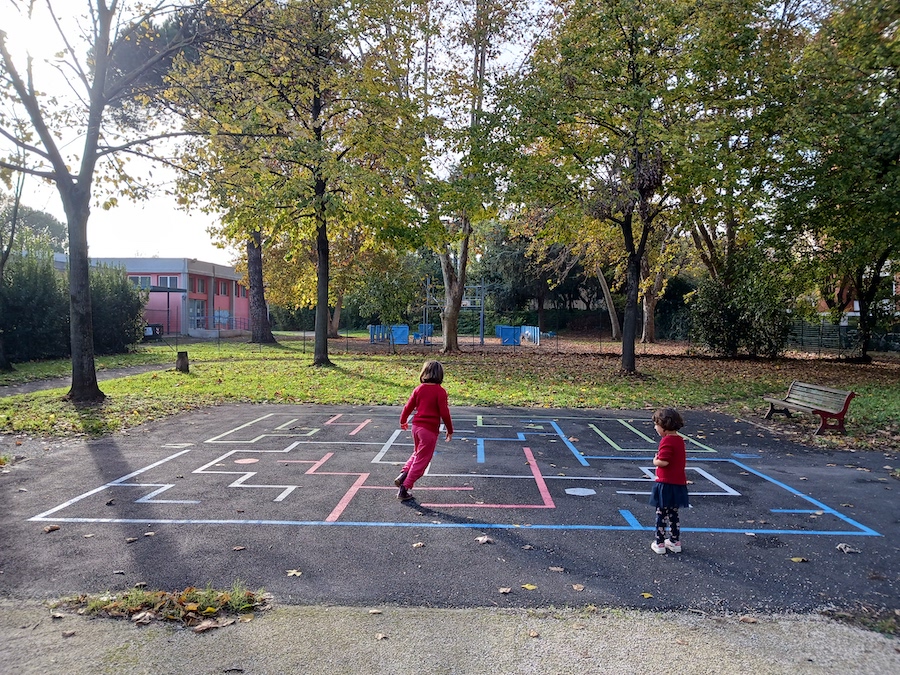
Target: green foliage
{"points": [[745, 312], [35, 322], [117, 310]]}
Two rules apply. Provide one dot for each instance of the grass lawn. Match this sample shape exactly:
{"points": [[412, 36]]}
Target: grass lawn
{"points": [[568, 374]]}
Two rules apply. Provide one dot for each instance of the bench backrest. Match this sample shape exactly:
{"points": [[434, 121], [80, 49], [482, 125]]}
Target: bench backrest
{"points": [[818, 397]]}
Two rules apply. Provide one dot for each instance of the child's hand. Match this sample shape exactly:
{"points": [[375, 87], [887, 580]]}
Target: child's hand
{"points": [[404, 426], [448, 437]]}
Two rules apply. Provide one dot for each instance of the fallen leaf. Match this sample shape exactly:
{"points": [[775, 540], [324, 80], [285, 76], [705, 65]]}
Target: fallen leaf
{"points": [[238, 548], [528, 547], [118, 571], [294, 573], [191, 607], [529, 587], [380, 636], [748, 619], [68, 633], [57, 615], [846, 548], [484, 539], [51, 528], [798, 559], [375, 611], [557, 569], [205, 625], [130, 540], [646, 596], [847, 506], [504, 591], [143, 618], [149, 534], [578, 587], [534, 634], [88, 536], [110, 502], [245, 618], [419, 544]]}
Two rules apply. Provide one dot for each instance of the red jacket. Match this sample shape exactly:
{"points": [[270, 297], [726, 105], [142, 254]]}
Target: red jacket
{"points": [[429, 400], [671, 450]]}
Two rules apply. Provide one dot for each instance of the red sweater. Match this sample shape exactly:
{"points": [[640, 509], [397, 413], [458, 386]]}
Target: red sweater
{"points": [[671, 450], [429, 400]]}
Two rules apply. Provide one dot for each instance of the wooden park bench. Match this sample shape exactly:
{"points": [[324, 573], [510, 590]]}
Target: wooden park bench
{"points": [[827, 403]]}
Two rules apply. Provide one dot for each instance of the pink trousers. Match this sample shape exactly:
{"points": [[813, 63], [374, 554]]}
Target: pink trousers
{"points": [[425, 442]]}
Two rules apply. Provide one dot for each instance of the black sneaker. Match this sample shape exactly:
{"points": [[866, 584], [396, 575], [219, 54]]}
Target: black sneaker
{"points": [[403, 495], [398, 481]]}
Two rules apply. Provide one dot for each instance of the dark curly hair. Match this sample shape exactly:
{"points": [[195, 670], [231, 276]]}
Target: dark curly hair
{"points": [[668, 419]]}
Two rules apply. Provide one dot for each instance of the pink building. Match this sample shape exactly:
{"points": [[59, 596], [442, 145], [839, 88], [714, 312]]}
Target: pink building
{"points": [[187, 296]]}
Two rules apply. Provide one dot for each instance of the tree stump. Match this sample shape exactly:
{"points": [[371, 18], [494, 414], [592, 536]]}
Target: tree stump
{"points": [[181, 363]]}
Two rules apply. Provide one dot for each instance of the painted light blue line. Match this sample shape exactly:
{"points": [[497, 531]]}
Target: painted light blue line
{"points": [[630, 519], [795, 511], [568, 443], [820, 505], [478, 526], [743, 455]]}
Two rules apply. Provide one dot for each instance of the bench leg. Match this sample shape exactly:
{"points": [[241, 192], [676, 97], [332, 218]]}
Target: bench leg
{"points": [[773, 410], [824, 426]]}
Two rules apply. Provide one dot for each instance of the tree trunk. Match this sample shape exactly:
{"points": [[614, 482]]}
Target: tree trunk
{"points": [[651, 298], [260, 328], [76, 201], [454, 289], [320, 353], [629, 328], [610, 306], [334, 325]]}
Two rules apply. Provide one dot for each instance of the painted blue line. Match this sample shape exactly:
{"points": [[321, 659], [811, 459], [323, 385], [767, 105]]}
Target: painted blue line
{"points": [[630, 519], [822, 507], [479, 450], [581, 459], [480, 526], [744, 455]]}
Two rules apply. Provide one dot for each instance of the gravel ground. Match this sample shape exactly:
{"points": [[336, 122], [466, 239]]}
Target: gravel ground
{"points": [[325, 640]]}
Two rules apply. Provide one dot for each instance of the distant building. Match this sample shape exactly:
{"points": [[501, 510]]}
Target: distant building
{"points": [[187, 296]]}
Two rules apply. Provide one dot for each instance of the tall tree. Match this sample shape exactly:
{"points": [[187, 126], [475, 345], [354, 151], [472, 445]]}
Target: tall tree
{"points": [[99, 115], [597, 116], [315, 89], [842, 155]]}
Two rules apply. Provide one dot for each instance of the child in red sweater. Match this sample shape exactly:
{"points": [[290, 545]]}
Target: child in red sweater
{"points": [[670, 489], [429, 401]]}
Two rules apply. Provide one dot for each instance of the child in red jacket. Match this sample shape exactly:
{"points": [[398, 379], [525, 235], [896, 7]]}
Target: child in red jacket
{"points": [[429, 401], [670, 489]]}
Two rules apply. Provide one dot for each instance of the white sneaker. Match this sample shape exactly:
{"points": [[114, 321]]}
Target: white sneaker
{"points": [[658, 548], [674, 546]]}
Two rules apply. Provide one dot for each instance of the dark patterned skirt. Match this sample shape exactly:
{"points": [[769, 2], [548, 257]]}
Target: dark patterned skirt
{"points": [[669, 495]]}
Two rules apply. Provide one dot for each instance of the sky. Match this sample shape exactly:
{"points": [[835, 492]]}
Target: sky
{"points": [[153, 228]]}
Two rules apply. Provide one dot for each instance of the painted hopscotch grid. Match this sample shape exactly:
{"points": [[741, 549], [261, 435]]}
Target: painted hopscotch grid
{"points": [[261, 473]]}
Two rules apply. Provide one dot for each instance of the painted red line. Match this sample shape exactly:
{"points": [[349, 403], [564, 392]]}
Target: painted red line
{"points": [[347, 498], [546, 499], [539, 479], [357, 429], [315, 466], [417, 489], [334, 418]]}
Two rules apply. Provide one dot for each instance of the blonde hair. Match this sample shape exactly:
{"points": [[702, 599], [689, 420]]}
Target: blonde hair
{"points": [[433, 372]]}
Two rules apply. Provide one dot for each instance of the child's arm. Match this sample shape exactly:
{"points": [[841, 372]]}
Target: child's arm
{"points": [[659, 462]]}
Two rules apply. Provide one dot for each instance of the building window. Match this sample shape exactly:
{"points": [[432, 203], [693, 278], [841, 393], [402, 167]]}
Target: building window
{"points": [[201, 285], [223, 287], [168, 282], [140, 282], [243, 291]]}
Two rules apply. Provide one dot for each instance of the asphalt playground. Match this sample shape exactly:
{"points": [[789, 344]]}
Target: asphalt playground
{"points": [[524, 508]]}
